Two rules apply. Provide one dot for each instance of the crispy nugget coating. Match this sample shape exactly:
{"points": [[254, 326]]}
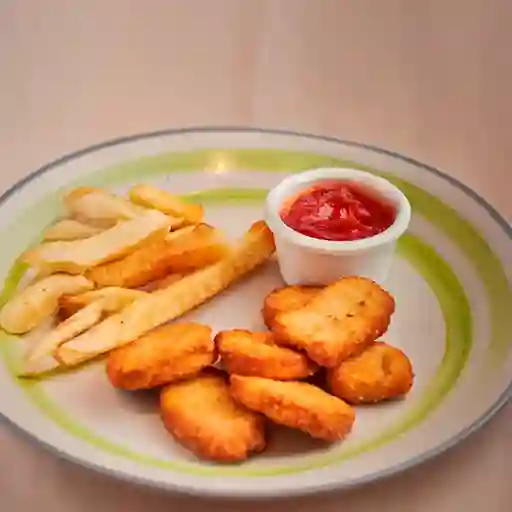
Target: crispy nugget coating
{"points": [[164, 355], [340, 321], [201, 414], [379, 373], [296, 405], [256, 353], [287, 298]]}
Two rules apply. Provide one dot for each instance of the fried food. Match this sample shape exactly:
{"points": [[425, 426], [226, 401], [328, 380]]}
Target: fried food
{"points": [[197, 247], [79, 255], [256, 353], [160, 284], [39, 301], [69, 229], [166, 354], [40, 358], [343, 319], [113, 298], [286, 299], [201, 415], [164, 305], [170, 204], [102, 209], [296, 405], [379, 373]]}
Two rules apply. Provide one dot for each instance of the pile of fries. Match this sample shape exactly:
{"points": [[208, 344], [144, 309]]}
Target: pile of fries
{"points": [[115, 268]]}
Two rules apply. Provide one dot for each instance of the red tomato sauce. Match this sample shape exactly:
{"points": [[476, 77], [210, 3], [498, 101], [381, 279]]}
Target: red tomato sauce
{"points": [[339, 211]]}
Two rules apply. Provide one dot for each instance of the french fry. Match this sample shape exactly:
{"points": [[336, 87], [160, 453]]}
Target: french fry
{"points": [[197, 247], [153, 197], [76, 256], [40, 358], [69, 229], [39, 301], [164, 283], [98, 207], [114, 299], [164, 305]]}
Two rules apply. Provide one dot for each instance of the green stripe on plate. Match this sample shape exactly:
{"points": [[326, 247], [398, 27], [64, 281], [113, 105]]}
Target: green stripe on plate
{"points": [[434, 269]]}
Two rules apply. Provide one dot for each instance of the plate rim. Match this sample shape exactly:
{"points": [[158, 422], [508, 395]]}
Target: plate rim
{"points": [[480, 422]]}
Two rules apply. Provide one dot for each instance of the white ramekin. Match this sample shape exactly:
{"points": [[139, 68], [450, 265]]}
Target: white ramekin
{"points": [[306, 260]]}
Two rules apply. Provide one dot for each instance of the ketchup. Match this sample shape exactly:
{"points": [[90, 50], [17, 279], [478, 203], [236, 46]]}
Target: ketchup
{"points": [[339, 211]]}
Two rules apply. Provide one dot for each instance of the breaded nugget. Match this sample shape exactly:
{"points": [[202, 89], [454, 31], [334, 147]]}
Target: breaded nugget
{"points": [[201, 414], [380, 372], [340, 321], [182, 251], [295, 404], [164, 355], [256, 353], [286, 299]]}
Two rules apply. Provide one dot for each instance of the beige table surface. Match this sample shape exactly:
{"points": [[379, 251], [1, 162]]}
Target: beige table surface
{"points": [[430, 78]]}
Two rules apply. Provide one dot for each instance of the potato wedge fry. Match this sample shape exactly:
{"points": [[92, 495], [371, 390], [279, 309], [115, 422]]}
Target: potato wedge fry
{"points": [[153, 197], [38, 301], [198, 247], [114, 299], [98, 207], [39, 359], [69, 229], [164, 305], [163, 283], [79, 255]]}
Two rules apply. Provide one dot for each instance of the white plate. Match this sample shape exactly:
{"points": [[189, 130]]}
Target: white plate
{"points": [[451, 279]]}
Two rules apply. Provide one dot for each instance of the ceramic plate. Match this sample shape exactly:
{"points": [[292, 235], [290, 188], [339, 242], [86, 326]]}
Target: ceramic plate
{"points": [[451, 280]]}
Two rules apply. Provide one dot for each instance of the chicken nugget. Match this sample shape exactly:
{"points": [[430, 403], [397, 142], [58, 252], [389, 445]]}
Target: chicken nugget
{"points": [[379, 373], [296, 405], [164, 355], [340, 321], [201, 414], [286, 299], [256, 353]]}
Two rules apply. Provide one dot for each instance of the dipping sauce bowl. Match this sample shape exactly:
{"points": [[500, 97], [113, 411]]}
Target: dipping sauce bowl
{"points": [[334, 222]]}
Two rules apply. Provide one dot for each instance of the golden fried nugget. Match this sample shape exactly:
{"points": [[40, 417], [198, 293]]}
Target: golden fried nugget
{"points": [[296, 405], [286, 299], [380, 372], [161, 306], [182, 251], [340, 321], [164, 355], [201, 415], [256, 353]]}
